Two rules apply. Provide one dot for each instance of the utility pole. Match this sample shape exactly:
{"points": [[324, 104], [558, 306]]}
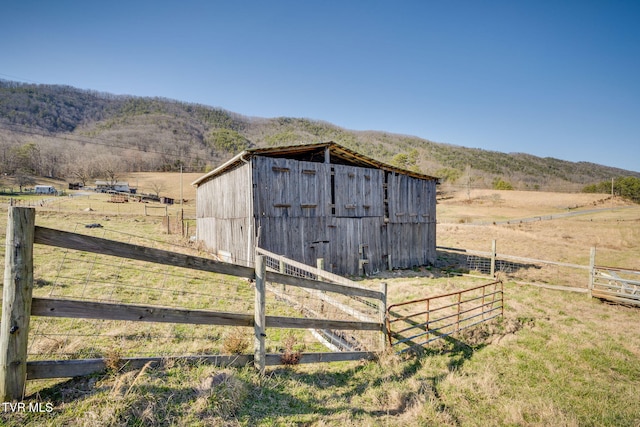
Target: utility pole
{"points": [[468, 182], [611, 192], [181, 186], [181, 207]]}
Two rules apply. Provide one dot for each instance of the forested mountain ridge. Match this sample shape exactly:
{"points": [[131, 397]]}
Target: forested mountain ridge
{"points": [[65, 132]]}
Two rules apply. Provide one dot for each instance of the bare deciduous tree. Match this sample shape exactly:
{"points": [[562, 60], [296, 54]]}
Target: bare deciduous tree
{"points": [[111, 169], [157, 187], [23, 179]]}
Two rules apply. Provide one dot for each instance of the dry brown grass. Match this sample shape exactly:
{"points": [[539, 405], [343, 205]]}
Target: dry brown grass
{"points": [[615, 233], [169, 181], [556, 359], [490, 203]]}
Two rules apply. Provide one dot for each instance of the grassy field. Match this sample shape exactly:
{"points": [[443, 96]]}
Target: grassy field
{"points": [[613, 228], [556, 358]]}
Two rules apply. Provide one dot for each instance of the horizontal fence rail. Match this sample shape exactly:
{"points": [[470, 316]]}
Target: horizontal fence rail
{"points": [[137, 313], [292, 268], [413, 324], [616, 284], [81, 242], [19, 305], [359, 303]]}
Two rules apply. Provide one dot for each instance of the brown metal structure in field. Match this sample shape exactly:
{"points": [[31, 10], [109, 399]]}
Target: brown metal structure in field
{"points": [[318, 201], [414, 324]]}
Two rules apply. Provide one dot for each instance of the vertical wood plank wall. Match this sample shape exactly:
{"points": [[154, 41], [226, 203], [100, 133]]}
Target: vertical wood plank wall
{"points": [[412, 220], [291, 202], [224, 220]]}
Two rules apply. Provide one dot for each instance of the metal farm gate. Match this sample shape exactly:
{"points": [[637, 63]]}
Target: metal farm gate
{"points": [[413, 324]]}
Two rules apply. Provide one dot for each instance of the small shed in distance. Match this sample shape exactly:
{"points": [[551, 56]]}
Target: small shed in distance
{"points": [[318, 201]]}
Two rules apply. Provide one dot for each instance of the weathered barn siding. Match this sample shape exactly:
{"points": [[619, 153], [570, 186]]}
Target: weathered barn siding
{"points": [[291, 206], [358, 191], [411, 200], [301, 238], [290, 188], [409, 244], [348, 236], [227, 196], [297, 218], [410, 233], [225, 221], [349, 211], [412, 220], [233, 238]]}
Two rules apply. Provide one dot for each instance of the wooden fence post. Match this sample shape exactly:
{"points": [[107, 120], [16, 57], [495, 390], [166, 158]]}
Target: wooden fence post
{"points": [[259, 321], [182, 221], [592, 270], [16, 302], [493, 258], [283, 269], [382, 309]]}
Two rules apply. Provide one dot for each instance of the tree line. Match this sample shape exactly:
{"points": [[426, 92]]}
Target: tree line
{"points": [[64, 132], [627, 187]]}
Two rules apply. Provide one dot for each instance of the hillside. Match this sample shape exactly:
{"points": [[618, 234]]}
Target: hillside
{"points": [[64, 132]]}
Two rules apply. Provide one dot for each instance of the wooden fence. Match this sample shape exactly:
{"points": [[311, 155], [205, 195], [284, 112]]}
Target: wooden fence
{"points": [[18, 305], [346, 306], [549, 274], [413, 324], [614, 284]]}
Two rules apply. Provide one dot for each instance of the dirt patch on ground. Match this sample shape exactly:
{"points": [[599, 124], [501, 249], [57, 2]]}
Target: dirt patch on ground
{"points": [[495, 332]]}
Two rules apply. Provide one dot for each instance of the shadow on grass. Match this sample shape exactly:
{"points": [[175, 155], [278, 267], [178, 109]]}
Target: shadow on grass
{"points": [[292, 394]]}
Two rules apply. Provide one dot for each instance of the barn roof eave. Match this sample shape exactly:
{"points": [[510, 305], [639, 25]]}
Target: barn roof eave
{"points": [[223, 167], [336, 149]]}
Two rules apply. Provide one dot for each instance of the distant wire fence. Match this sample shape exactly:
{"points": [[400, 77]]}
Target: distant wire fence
{"points": [[613, 284], [98, 299], [176, 218], [545, 273]]}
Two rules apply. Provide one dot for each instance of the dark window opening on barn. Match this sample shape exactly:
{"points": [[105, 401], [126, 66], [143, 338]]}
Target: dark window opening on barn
{"points": [[316, 155], [385, 186], [333, 191]]}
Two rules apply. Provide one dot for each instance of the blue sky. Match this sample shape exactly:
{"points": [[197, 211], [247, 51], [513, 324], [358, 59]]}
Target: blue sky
{"points": [[550, 78]]}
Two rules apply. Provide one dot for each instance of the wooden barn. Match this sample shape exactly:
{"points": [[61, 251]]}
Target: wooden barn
{"points": [[318, 201]]}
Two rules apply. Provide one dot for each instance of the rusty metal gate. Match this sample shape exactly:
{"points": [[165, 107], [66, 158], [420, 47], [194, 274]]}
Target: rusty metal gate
{"points": [[416, 323], [619, 285]]}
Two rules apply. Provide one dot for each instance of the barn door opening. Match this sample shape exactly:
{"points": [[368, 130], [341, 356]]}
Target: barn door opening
{"points": [[320, 252], [363, 258]]}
